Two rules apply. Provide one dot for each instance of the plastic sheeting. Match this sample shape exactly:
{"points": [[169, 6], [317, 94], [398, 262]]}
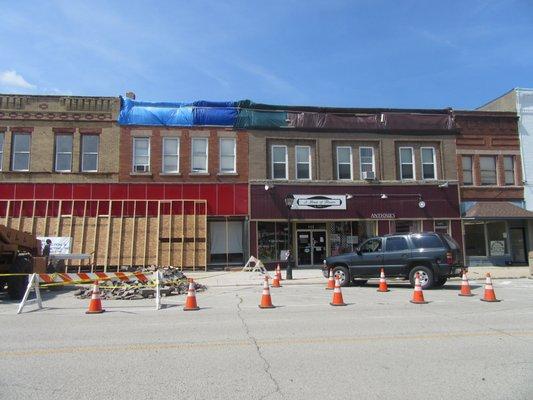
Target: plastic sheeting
{"points": [[308, 120], [418, 122], [201, 112], [254, 119]]}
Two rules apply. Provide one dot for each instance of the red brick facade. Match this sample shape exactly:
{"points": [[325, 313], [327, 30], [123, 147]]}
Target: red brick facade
{"points": [[156, 135]]}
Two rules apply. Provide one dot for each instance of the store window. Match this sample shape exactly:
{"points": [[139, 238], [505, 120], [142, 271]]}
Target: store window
{"points": [[279, 162], [303, 162], [475, 243], [345, 236], [407, 163], [199, 155], [272, 240], [141, 154], [228, 156], [407, 226], [171, 155], [89, 153], [429, 164], [366, 160], [1, 149], [487, 168], [344, 163], [467, 170], [226, 241], [497, 238], [21, 152], [508, 166]]}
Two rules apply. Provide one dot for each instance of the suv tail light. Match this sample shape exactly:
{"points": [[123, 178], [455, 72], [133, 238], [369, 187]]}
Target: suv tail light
{"points": [[449, 258]]}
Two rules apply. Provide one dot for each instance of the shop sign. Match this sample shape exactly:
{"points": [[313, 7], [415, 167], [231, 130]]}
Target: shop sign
{"points": [[59, 245], [319, 202], [383, 216]]}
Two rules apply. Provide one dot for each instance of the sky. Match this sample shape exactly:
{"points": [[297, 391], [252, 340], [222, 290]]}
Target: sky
{"points": [[405, 54]]}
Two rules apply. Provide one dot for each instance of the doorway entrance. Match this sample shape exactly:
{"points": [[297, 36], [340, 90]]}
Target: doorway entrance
{"points": [[311, 247], [518, 245]]}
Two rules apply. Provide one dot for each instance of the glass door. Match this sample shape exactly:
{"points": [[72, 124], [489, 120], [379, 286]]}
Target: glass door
{"points": [[518, 248], [305, 246], [319, 247]]}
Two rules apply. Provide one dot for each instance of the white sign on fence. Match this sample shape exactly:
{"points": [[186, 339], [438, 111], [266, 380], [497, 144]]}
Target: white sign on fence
{"points": [[60, 245]]}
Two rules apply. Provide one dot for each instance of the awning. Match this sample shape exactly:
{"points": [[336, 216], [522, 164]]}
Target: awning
{"points": [[497, 210]]}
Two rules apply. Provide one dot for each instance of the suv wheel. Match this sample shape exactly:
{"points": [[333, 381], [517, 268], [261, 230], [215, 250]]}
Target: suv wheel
{"points": [[342, 274], [425, 275]]}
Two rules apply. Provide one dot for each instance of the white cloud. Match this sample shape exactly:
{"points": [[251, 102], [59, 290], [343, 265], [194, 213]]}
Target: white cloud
{"points": [[10, 78]]}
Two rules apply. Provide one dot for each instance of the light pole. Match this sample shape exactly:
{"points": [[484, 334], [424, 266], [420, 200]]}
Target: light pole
{"points": [[289, 200]]}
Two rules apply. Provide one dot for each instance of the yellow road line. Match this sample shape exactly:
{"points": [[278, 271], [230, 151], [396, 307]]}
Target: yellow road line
{"points": [[260, 342]]}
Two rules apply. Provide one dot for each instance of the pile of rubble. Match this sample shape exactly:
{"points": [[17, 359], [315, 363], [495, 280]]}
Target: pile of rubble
{"points": [[172, 282]]}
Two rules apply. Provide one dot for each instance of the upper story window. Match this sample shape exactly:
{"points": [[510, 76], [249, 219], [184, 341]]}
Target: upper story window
{"points": [[407, 163], [21, 152], [1, 149], [344, 163], [171, 155], [366, 160], [429, 163], [466, 162], [63, 153], [199, 155], [89, 153], [508, 167], [141, 154], [228, 155], [279, 162], [487, 169], [303, 162]]}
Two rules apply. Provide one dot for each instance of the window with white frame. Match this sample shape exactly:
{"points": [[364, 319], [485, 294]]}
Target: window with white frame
{"points": [[63, 153], [141, 154], [2, 135], [429, 163], [366, 160], [171, 155], [21, 152], [303, 162], [280, 166], [199, 155], [487, 170], [89, 153], [344, 163], [228, 155], [407, 163], [466, 162], [508, 167]]}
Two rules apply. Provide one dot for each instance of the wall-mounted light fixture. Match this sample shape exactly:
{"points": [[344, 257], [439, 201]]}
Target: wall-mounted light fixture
{"points": [[268, 187], [349, 196], [384, 196], [444, 184]]}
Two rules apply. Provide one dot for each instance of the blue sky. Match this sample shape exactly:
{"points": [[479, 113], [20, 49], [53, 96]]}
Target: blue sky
{"points": [[334, 53]]}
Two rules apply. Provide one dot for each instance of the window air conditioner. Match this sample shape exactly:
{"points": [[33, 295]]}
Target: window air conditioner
{"points": [[369, 175], [142, 168]]}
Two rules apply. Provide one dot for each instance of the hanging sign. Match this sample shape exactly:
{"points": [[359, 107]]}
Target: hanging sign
{"points": [[319, 202], [59, 245]]}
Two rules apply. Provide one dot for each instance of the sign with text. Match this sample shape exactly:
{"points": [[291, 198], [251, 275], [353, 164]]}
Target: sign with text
{"points": [[319, 202], [60, 245]]}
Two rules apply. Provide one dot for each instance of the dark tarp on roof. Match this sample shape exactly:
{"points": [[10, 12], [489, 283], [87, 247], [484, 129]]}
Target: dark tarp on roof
{"points": [[419, 122], [497, 210], [261, 119], [309, 120]]}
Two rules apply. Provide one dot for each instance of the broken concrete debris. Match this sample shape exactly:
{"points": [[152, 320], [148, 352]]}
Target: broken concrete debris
{"points": [[173, 282]]}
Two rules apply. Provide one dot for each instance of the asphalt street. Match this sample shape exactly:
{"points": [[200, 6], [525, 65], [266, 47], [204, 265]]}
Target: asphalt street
{"points": [[379, 346]]}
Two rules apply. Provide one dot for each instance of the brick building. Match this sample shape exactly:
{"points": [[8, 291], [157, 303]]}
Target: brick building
{"points": [[353, 174], [491, 185]]}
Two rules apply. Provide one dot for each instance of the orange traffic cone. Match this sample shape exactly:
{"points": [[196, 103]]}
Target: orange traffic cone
{"points": [[276, 281], [95, 305], [331, 281], [266, 300], [382, 282], [278, 273], [465, 286], [337, 295], [190, 302], [489, 295], [418, 295]]}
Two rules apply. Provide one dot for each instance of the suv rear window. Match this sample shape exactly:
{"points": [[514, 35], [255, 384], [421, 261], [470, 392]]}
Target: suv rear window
{"points": [[426, 242]]}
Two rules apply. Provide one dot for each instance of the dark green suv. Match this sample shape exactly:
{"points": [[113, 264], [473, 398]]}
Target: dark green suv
{"points": [[435, 256]]}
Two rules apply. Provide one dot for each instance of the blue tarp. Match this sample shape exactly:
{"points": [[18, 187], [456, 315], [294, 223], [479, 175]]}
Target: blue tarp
{"points": [[133, 112]]}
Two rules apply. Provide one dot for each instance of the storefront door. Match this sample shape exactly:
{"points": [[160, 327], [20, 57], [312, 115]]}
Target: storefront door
{"points": [[518, 249], [311, 246]]}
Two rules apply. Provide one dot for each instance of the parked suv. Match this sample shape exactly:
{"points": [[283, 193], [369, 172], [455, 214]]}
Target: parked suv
{"points": [[435, 256]]}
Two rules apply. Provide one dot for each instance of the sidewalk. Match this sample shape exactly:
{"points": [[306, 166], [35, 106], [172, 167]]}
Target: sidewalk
{"points": [[314, 276]]}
